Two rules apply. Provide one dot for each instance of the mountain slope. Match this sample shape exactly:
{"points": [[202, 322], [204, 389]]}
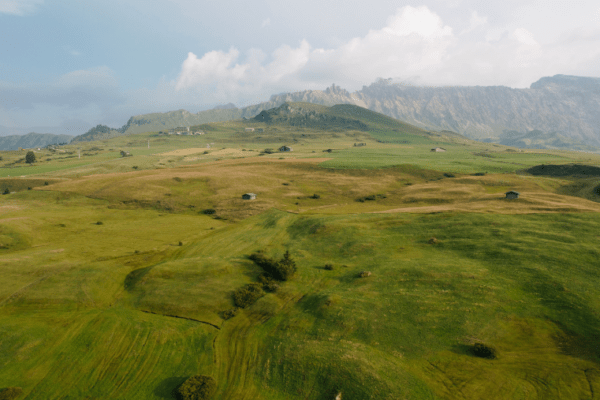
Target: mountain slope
{"points": [[32, 139], [568, 106]]}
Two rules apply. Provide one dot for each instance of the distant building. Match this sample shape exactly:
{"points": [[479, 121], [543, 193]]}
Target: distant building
{"points": [[512, 194], [438, 149], [249, 196], [249, 129], [285, 148]]}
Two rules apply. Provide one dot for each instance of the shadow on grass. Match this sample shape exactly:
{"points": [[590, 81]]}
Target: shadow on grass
{"points": [[462, 349], [135, 276], [166, 388]]}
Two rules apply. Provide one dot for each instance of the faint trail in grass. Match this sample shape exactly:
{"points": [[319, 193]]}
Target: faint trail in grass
{"points": [[586, 372], [180, 317]]}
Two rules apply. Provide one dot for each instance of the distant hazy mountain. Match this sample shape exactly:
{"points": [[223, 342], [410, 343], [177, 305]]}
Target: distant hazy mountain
{"points": [[32, 140], [555, 112]]}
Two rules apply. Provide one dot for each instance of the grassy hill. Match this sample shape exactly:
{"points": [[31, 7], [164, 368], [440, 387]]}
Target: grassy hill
{"points": [[117, 277]]}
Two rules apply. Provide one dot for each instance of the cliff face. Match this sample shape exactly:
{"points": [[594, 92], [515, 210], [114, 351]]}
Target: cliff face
{"points": [[557, 112], [561, 104]]}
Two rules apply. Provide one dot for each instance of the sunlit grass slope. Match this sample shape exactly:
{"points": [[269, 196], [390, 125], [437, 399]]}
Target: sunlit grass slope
{"points": [[117, 277], [76, 302]]}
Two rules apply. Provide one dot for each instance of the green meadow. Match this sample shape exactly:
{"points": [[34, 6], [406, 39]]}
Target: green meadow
{"points": [[117, 273]]}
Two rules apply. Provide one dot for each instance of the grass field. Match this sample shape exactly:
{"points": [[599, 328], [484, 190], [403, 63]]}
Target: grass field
{"points": [[114, 281]]}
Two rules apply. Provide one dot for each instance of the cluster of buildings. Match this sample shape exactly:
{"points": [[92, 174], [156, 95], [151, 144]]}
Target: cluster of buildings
{"points": [[181, 131]]}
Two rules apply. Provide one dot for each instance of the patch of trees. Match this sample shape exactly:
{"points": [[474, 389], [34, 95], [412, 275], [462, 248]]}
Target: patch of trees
{"points": [[248, 295], [198, 387], [281, 270]]}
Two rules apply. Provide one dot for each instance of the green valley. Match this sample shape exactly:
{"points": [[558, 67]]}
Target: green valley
{"points": [[120, 257]]}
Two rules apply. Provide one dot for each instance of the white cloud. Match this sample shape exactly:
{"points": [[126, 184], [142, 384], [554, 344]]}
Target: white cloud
{"points": [[265, 23], [414, 44], [475, 22], [19, 7], [524, 36]]}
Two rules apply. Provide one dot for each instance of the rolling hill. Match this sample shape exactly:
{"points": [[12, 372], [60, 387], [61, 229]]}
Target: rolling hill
{"points": [[414, 277]]}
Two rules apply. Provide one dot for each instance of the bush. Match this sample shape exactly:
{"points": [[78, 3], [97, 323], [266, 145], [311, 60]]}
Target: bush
{"points": [[180, 243], [10, 393], [247, 295], [433, 241], [30, 157], [209, 211], [269, 151], [281, 270], [364, 274], [483, 351], [315, 196], [268, 283], [135, 167], [199, 387], [449, 175], [6, 191], [46, 183], [479, 174], [328, 267], [99, 223], [228, 314]]}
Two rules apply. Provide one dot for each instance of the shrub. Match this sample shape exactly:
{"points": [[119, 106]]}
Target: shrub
{"points": [[28, 187], [6, 191], [433, 241], [198, 387], [180, 243], [268, 283], [228, 314], [315, 196], [10, 393], [135, 167], [449, 175], [328, 267], [209, 211], [479, 174], [364, 274], [99, 223], [269, 151], [247, 295], [30, 157], [270, 287], [281, 270], [483, 351], [46, 183]]}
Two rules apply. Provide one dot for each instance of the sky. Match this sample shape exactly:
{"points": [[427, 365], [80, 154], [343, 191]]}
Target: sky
{"points": [[67, 65]]}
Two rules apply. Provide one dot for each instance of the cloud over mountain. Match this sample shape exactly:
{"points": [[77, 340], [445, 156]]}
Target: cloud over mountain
{"points": [[415, 44]]}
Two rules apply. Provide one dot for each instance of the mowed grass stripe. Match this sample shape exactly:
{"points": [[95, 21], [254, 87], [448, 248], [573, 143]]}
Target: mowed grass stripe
{"points": [[113, 353]]}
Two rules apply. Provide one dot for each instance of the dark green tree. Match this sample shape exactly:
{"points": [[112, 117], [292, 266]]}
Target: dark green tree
{"points": [[30, 157], [199, 387]]}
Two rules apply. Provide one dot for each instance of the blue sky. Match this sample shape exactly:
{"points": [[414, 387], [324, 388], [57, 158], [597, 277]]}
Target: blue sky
{"points": [[68, 65]]}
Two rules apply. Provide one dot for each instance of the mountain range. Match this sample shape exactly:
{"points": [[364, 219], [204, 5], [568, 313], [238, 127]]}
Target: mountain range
{"points": [[554, 112], [31, 140]]}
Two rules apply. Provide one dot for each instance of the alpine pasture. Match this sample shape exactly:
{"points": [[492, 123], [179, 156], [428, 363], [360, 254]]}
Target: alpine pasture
{"points": [[117, 273]]}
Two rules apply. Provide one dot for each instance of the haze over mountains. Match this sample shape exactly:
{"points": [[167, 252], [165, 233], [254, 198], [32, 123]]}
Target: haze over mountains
{"points": [[555, 112]]}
